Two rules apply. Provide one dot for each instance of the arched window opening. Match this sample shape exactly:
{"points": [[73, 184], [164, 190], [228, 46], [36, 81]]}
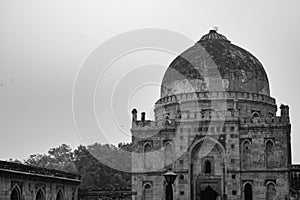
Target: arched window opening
{"points": [[248, 192], [148, 193], [167, 119], [246, 154], [147, 156], [39, 195], [208, 167], [168, 154], [59, 195], [15, 194], [255, 115], [271, 191], [270, 158]]}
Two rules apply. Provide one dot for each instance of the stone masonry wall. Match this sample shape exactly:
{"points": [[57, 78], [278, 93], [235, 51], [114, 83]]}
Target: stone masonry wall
{"points": [[30, 186]]}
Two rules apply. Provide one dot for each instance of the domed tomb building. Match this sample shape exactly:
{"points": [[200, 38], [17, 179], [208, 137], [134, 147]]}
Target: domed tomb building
{"points": [[216, 127]]}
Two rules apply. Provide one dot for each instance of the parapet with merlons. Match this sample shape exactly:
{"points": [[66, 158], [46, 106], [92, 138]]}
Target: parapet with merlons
{"points": [[152, 125], [186, 117], [267, 121], [214, 95]]}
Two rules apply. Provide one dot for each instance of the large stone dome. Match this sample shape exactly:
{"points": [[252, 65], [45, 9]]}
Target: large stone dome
{"points": [[215, 64]]}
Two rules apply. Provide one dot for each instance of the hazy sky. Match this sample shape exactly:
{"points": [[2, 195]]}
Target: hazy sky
{"points": [[44, 43]]}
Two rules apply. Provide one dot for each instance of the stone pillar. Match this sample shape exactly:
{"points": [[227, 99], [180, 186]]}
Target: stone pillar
{"points": [[284, 110], [134, 115], [143, 115]]}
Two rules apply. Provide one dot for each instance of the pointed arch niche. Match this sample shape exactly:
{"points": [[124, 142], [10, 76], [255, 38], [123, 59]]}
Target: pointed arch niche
{"points": [[246, 151], [39, 195], [270, 157], [59, 195], [147, 156], [168, 154], [271, 190], [203, 171], [15, 193], [147, 192]]}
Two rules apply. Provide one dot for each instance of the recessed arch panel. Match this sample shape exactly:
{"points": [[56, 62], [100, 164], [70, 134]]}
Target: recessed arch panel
{"points": [[248, 193], [59, 195], [148, 192], [40, 195], [271, 191], [15, 193]]}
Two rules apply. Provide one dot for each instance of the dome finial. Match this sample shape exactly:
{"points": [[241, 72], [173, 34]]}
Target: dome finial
{"points": [[215, 28], [213, 35]]}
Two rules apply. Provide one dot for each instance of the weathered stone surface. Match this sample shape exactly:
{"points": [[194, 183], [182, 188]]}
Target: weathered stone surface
{"points": [[215, 64]]}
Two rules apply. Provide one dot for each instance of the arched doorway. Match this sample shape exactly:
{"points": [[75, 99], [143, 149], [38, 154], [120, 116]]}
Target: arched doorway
{"points": [[203, 170], [208, 194], [248, 192], [148, 193], [271, 191], [39, 195], [59, 195], [15, 194]]}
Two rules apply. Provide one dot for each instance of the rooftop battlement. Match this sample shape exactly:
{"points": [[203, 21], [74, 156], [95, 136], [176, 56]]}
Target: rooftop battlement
{"points": [[279, 120], [209, 116], [153, 125], [204, 116], [214, 95], [295, 167]]}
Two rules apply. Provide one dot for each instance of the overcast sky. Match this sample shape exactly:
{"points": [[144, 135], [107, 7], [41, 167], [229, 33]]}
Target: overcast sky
{"points": [[44, 43]]}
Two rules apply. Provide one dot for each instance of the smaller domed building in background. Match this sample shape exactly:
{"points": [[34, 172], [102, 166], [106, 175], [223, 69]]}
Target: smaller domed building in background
{"points": [[216, 127]]}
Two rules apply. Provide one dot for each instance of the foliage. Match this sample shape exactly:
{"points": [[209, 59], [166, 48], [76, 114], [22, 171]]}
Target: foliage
{"points": [[14, 161], [89, 162], [59, 158]]}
